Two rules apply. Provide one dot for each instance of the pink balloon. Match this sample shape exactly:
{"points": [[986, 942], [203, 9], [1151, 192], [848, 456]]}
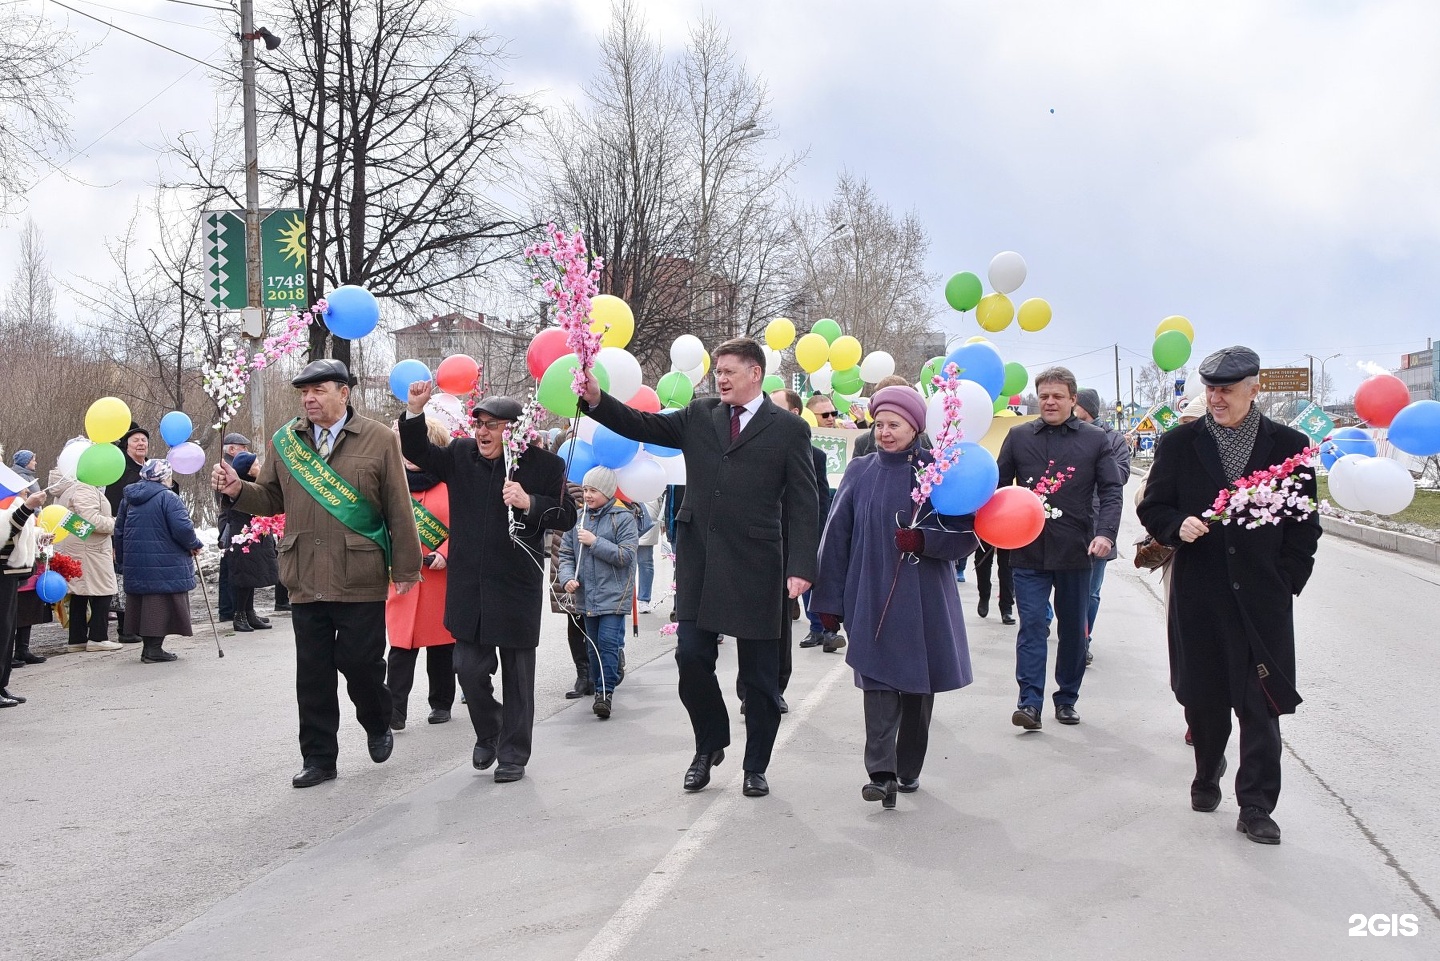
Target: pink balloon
{"points": [[186, 458], [645, 399]]}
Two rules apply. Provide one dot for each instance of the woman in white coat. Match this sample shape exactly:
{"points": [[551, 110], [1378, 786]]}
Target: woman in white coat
{"points": [[91, 592]]}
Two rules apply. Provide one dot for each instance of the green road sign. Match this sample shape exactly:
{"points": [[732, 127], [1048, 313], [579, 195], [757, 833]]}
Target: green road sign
{"points": [[284, 259], [224, 248]]}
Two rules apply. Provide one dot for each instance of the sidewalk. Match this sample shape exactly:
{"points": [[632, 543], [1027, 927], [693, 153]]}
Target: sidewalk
{"points": [[1071, 843]]}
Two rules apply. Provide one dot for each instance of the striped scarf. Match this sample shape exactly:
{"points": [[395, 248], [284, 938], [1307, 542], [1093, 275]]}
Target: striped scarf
{"points": [[1235, 443]]}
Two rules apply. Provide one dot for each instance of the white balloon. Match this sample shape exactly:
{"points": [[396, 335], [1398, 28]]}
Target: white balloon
{"points": [[696, 373], [642, 479], [1384, 485], [687, 352], [624, 371], [977, 410], [1007, 271], [773, 358], [585, 429], [876, 366], [674, 468], [1345, 482], [69, 458], [820, 381]]}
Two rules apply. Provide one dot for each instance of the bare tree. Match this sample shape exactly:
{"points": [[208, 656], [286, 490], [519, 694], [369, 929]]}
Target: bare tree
{"points": [[37, 69], [1154, 386]]}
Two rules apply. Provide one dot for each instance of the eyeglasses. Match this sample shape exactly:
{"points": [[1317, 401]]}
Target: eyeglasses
{"points": [[828, 413], [490, 424]]}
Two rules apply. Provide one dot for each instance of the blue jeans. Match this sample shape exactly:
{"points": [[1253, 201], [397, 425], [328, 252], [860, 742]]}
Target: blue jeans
{"points": [[815, 626], [647, 573], [1032, 599], [607, 633], [1097, 578]]}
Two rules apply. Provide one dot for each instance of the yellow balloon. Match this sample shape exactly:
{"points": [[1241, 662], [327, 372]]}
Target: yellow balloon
{"points": [[845, 352], [811, 352], [1179, 323], [780, 333], [994, 312], [977, 339], [612, 319], [704, 365], [1034, 314], [808, 414], [107, 420], [51, 517]]}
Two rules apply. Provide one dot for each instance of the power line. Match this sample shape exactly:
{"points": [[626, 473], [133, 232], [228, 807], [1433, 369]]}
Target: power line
{"points": [[203, 6], [139, 36], [146, 16]]}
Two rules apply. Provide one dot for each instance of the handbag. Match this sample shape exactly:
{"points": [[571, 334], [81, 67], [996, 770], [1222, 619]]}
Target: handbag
{"points": [[1151, 555]]}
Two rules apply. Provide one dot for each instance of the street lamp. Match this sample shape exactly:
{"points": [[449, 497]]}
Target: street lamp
{"points": [[1323, 361]]}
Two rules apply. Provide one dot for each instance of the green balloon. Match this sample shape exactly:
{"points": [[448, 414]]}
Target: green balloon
{"points": [[675, 389], [929, 372], [963, 291], [1002, 402], [770, 384], [1171, 350], [847, 381], [557, 394], [1016, 377], [100, 465], [842, 403], [826, 328]]}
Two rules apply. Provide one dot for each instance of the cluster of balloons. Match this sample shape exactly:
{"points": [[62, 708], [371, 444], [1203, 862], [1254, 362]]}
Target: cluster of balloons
{"points": [[1174, 339], [184, 456], [99, 462], [994, 311], [836, 362], [1013, 377], [1361, 479], [643, 470]]}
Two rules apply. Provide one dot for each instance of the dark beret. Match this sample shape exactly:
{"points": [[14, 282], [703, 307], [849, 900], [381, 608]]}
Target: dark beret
{"points": [[1229, 365], [321, 371], [233, 438], [500, 408]]}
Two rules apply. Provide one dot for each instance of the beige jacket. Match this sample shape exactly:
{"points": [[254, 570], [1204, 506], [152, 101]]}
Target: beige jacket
{"points": [[95, 553], [320, 558]]}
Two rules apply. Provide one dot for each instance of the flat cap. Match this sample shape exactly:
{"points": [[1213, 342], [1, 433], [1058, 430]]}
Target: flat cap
{"points": [[321, 371], [500, 408], [1229, 365], [233, 438]]}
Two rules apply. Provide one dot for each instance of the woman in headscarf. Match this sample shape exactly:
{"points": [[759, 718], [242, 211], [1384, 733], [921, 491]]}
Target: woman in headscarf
{"points": [[416, 618], [155, 544], [253, 564], [893, 586]]}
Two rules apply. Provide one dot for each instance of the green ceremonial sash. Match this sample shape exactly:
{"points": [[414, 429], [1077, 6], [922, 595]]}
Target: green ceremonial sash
{"points": [[330, 490], [432, 532]]}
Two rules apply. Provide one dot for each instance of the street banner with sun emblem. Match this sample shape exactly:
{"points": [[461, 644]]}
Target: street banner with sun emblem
{"points": [[284, 259]]}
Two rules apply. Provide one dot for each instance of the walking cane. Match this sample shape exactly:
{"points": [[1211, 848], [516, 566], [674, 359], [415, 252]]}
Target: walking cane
{"points": [[205, 591]]}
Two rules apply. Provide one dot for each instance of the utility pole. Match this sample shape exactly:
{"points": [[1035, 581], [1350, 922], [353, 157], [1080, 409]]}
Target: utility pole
{"points": [[1117, 389], [253, 325]]}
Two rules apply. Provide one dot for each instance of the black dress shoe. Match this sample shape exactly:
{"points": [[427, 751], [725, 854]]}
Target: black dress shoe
{"points": [[813, 639], [1205, 793], [5, 692], [698, 774], [30, 657], [983, 608], [1026, 717], [397, 723], [1258, 826], [507, 772], [883, 791], [257, 622], [8, 701], [483, 756], [1066, 714], [438, 716], [909, 785], [381, 745], [755, 785], [1006, 617], [312, 776], [129, 638], [784, 708]]}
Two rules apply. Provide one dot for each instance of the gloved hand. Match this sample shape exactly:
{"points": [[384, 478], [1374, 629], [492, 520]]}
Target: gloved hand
{"points": [[910, 540], [831, 622]]}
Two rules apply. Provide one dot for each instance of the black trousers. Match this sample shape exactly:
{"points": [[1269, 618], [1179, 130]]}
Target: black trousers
{"points": [[787, 662], [1257, 782], [224, 598], [507, 726], [579, 652], [897, 732], [984, 561], [696, 653], [439, 666], [89, 618], [9, 616], [333, 637]]}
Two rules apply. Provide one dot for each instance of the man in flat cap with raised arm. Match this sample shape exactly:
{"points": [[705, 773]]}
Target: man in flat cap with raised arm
{"points": [[349, 531], [497, 582]]}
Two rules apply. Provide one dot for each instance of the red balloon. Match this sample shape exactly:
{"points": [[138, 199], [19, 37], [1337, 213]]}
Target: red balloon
{"points": [[1380, 398], [1016, 401], [457, 375], [1011, 519], [547, 347], [645, 399]]}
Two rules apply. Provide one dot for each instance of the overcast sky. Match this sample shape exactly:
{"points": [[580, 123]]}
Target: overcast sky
{"points": [[1267, 169]]}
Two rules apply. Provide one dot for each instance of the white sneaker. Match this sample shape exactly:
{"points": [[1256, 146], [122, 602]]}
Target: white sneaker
{"points": [[75, 648], [103, 646], [645, 607]]}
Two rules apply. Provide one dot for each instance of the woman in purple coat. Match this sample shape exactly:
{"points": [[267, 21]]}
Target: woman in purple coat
{"points": [[894, 588]]}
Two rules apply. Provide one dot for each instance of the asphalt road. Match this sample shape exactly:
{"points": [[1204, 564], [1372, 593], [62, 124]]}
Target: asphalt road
{"points": [[149, 813]]}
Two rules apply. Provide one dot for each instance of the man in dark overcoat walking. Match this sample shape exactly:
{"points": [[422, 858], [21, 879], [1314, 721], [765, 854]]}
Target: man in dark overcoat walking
{"points": [[746, 538], [1231, 629], [497, 584]]}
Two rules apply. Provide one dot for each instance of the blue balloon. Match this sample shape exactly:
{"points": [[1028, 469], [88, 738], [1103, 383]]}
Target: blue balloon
{"points": [[351, 312], [1416, 429], [51, 587], [405, 373], [657, 451], [579, 457], [980, 363], [612, 450], [176, 428], [968, 483]]}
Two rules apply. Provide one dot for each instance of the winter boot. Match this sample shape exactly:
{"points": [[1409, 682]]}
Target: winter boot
{"points": [[154, 653], [242, 623]]}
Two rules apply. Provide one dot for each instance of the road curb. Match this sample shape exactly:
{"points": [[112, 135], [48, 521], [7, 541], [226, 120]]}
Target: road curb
{"points": [[1393, 541]]}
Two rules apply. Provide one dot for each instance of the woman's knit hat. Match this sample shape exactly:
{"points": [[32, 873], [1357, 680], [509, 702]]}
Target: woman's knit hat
{"points": [[905, 401], [602, 479]]}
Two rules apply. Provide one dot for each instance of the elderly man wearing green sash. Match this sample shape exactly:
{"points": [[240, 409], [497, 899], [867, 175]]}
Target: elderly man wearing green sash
{"points": [[349, 531]]}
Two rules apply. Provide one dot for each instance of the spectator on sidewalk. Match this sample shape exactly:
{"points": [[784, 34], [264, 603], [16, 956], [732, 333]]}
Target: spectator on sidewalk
{"points": [[234, 445], [253, 564], [91, 593], [990, 560], [1087, 409], [649, 540], [30, 612], [25, 465], [19, 547], [156, 545]]}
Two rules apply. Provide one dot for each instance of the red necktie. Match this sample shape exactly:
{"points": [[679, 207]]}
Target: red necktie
{"points": [[734, 423]]}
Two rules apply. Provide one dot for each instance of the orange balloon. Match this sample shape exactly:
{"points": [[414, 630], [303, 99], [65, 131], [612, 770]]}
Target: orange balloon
{"points": [[1011, 519]]}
